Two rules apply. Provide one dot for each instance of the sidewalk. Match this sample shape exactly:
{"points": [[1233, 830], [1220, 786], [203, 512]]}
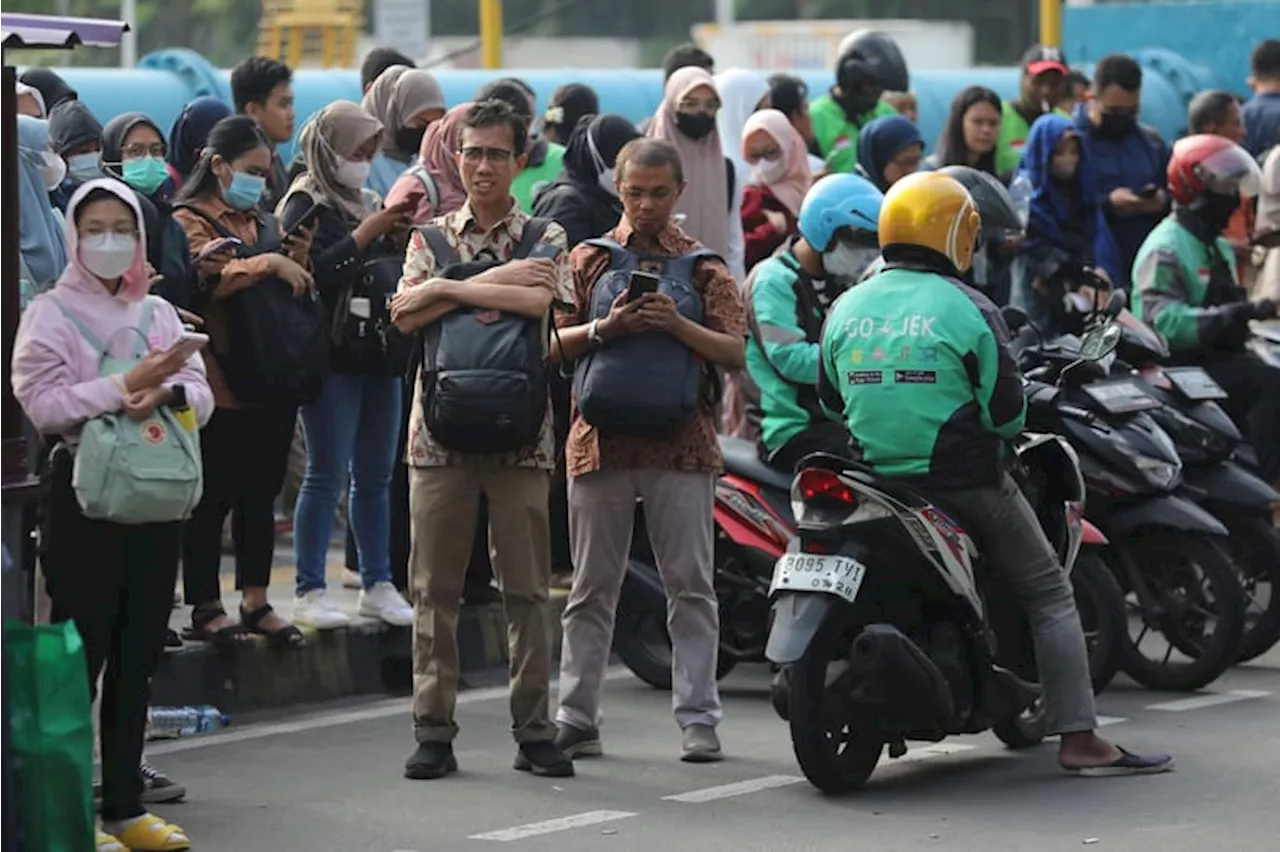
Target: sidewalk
{"points": [[366, 658]]}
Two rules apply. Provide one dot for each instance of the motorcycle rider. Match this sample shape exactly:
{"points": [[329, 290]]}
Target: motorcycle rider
{"points": [[788, 296], [1188, 288], [918, 364]]}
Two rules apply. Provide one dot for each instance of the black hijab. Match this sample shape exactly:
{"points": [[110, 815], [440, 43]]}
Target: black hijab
{"points": [[52, 88], [608, 133], [72, 124]]}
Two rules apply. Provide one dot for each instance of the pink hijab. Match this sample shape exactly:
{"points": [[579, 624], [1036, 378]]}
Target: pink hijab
{"points": [[795, 181], [705, 201], [438, 155], [135, 284]]}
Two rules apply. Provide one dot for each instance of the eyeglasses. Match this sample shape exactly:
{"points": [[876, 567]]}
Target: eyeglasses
{"points": [[635, 193], [139, 149], [474, 154]]}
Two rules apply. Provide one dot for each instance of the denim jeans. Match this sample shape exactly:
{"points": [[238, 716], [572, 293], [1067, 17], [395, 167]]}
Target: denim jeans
{"points": [[352, 428]]}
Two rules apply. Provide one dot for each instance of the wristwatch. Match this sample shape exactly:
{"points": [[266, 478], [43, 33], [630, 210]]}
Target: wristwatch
{"points": [[593, 334]]}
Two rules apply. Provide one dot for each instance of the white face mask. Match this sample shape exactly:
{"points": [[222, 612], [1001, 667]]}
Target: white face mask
{"points": [[353, 173], [771, 171], [846, 261], [52, 170], [108, 255], [607, 182]]}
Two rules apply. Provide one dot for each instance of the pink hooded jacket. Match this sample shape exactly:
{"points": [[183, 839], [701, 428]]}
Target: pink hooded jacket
{"points": [[55, 371]]}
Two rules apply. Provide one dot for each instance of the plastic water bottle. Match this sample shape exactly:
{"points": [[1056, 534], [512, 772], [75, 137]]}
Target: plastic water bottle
{"points": [[1021, 190], [175, 722]]}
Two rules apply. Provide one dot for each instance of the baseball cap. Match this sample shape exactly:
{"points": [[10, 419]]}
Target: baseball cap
{"points": [[1039, 59]]}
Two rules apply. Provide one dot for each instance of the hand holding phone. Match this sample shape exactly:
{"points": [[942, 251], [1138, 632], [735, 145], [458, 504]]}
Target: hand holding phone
{"points": [[1148, 191], [221, 244], [641, 284]]}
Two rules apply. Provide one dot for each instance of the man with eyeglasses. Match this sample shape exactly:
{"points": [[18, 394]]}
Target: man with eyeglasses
{"points": [[445, 486]]}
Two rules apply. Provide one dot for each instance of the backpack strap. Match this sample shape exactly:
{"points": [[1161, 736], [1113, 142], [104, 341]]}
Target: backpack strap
{"points": [[213, 223], [681, 268], [619, 256], [92, 339], [445, 254], [141, 343], [532, 234]]}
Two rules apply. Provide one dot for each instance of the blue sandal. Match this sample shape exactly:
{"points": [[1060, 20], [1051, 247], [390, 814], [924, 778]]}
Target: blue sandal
{"points": [[1127, 763]]}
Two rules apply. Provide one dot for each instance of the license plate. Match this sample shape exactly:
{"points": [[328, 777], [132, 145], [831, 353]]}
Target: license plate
{"points": [[808, 572], [1121, 397], [1194, 383]]}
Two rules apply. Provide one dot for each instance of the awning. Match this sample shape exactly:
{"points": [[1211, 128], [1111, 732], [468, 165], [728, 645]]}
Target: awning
{"points": [[49, 31]]}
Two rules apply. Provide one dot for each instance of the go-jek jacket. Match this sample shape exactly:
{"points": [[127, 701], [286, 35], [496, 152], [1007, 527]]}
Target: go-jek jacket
{"points": [[918, 365]]}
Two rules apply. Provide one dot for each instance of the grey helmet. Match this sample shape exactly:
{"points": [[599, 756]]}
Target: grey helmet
{"points": [[872, 58], [995, 205]]}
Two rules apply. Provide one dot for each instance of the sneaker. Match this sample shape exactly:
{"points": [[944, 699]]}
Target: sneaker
{"points": [[701, 745], [431, 760], [158, 788], [543, 758], [578, 742], [385, 603], [315, 609], [351, 579]]}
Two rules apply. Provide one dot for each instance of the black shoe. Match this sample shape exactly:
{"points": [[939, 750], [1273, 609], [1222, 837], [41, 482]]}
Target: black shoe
{"points": [[578, 742], [543, 758], [431, 760]]}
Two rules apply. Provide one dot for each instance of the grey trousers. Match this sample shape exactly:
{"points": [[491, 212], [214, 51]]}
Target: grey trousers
{"points": [[1013, 543], [678, 511]]}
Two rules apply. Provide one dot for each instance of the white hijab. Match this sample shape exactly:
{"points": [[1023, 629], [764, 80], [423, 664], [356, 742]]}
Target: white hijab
{"points": [[739, 91]]}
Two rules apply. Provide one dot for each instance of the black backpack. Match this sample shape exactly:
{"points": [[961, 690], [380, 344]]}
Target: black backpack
{"points": [[277, 345], [647, 385], [485, 372], [368, 341]]}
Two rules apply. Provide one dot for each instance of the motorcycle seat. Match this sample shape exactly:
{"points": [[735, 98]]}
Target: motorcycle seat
{"points": [[741, 458]]}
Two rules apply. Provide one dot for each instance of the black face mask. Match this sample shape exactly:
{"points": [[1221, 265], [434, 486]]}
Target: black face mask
{"points": [[856, 104], [1217, 209], [1117, 125], [409, 139], [695, 125]]}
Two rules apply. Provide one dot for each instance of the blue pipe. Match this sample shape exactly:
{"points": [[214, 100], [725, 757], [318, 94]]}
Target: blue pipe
{"points": [[166, 80]]}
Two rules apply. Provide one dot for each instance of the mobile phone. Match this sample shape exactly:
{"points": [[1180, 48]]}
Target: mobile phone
{"points": [[189, 336], [308, 219], [215, 246], [1148, 191], [641, 283]]}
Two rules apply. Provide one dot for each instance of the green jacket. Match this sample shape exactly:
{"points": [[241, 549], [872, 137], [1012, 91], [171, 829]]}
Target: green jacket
{"points": [[534, 177], [785, 321], [837, 137], [1185, 293], [919, 367], [1013, 136]]}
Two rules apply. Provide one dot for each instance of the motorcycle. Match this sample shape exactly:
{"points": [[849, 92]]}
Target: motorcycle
{"points": [[885, 629], [1162, 544]]}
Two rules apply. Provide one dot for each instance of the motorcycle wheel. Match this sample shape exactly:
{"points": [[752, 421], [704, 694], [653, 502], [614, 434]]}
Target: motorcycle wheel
{"points": [[1100, 603], [1255, 549], [1165, 557], [642, 642], [834, 753]]}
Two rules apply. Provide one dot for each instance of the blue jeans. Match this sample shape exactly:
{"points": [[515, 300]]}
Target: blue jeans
{"points": [[353, 427]]}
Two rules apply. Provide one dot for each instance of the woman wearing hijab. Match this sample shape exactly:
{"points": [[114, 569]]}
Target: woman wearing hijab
{"points": [[75, 135], [889, 149], [189, 133], [43, 254], [438, 162], [775, 152], [584, 199], [1067, 237], [687, 120], [741, 94], [569, 103], [354, 425], [53, 89], [120, 598], [406, 101], [133, 149]]}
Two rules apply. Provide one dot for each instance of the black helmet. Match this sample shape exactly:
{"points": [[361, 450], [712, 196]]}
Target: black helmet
{"points": [[870, 57], [995, 205]]}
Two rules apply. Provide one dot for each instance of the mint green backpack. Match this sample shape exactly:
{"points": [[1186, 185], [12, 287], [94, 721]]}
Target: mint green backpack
{"points": [[134, 471]]}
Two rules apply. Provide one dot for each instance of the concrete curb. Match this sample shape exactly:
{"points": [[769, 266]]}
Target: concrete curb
{"points": [[366, 658]]}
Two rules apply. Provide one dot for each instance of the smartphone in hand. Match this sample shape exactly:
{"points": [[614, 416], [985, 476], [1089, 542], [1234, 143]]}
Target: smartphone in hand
{"points": [[642, 283], [1148, 191]]}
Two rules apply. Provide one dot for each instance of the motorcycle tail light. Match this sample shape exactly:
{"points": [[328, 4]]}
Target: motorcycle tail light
{"points": [[824, 488]]}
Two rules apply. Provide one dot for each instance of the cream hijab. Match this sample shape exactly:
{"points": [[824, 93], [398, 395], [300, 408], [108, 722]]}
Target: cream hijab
{"points": [[338, 130]]}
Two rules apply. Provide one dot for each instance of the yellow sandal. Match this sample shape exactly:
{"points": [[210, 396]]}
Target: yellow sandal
{"points": [[149, 833], [104, 842]]}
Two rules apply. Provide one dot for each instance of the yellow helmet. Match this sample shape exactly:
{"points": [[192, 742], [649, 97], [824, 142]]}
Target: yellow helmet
{"points": [[934, 211]]}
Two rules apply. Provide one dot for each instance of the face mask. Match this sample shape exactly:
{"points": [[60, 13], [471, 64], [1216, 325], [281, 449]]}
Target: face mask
{"points": [[1217, 209], [84, 167], [353, 173], [1117, 125], [145, 174], [606, 181], [695, 125], [244, 191], [771, 171], [409, 139], [1063, 166], [849, 262], [52, 170], [108, 255]]}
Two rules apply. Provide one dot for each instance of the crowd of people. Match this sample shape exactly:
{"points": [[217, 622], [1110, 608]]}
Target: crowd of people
{"points": [[499, 333]]}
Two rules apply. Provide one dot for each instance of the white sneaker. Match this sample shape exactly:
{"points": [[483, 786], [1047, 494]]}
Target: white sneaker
{"points": [[385, 603], [351, 579], [315, 609]]}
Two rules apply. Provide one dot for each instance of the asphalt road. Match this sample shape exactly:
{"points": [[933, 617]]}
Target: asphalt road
{"points": [[330, 779]]}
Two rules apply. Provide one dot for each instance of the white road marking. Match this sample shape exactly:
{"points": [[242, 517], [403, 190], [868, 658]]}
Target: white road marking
{"points": [[740, 788], [1103, 721], [379, 710], [1199, 702], [550, 826]]}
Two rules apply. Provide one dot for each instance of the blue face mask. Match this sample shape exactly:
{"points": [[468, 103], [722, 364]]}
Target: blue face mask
{"points": [[245, 190], [85, 167]]}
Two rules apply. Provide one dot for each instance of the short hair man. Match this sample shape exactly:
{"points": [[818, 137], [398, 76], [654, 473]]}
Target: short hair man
{"points": [[262, 88], [1043, 71], [687, 55], [544, 159], [1262, 112]]}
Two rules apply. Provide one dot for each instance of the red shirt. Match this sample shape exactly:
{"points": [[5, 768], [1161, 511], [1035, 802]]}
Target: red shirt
{"points": [[760, 238]]}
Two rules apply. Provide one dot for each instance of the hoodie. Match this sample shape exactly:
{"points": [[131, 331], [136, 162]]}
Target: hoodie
{"points": [[55, 371]]}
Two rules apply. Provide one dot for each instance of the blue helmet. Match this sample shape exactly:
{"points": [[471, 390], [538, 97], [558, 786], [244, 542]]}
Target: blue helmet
{"points": [[835, 202]]}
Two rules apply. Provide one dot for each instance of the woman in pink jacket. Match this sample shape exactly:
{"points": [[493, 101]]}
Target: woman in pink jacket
{"points": [[114, 581]]}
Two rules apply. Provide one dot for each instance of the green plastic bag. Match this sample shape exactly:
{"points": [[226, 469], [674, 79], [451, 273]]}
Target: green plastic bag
{"points": [[52, 735]]}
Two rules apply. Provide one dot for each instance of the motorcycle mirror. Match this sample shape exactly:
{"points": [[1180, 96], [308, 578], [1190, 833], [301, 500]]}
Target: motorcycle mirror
{"points": [[1100, 342], [1015, 318]]}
